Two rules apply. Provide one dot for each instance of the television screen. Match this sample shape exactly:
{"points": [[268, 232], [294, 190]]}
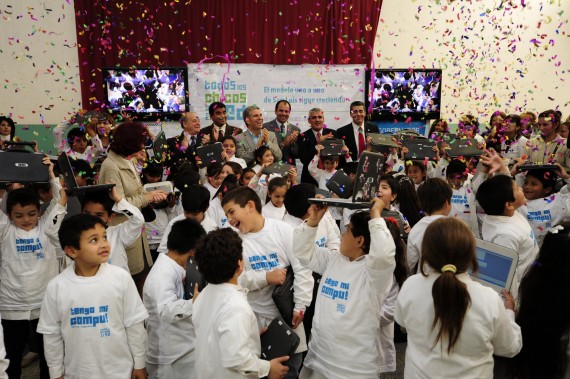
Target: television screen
{"points": [[148, 93], [408, 92]]}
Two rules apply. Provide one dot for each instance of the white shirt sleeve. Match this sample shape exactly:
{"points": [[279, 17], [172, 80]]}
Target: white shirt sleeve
{"points": [[137, 341], [54, 351], [253, 280], [507, 341], [129, 230], [303, 280], [309, 255], [53, 224], [59, 141], [381, 256]]}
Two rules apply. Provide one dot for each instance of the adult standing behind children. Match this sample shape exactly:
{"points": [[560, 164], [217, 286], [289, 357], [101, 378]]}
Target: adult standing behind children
{"points": [[310, 139], [118, 168], [356, 134], [548, 147], [219, 127], [285, 132], [255, 136]]}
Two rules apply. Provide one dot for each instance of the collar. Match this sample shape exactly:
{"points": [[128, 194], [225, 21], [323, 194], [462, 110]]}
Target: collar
{"points": [[253, 135], [356, 127], [122, 163]]}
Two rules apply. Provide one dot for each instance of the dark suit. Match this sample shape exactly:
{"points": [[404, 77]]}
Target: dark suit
{"points": [[291, 151], [209, 130], [346, 133], [307, 151], [177, 153]]}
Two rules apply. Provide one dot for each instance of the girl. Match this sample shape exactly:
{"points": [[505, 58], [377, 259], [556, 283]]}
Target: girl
{"points": [[407, 201], [215, 177], [416, 171], [353, 288], [215, 211], [263, 158], [229, 145], [564, 129], [329, 165], [454, 324], [496, 128], [544, 311], [468, 127], [438, 126], [232, 168], [513, 141], [248, 173], [7, 130], [276, 193]]}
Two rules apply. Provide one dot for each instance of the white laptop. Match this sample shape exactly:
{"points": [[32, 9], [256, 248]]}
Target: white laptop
{"points": [[497, 265]]}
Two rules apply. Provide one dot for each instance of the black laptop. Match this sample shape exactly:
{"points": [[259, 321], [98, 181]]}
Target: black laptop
{"points": [[278, 168], [464, 147], [69, 177], [23, 167], [332, 147], [340, 184], [159, 146], [419, 149], [278, 340], [365, 187], [382, 143], [210, 153]]}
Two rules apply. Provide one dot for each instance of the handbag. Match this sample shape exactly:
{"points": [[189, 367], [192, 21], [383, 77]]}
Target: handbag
{"points": [[283, 297]]}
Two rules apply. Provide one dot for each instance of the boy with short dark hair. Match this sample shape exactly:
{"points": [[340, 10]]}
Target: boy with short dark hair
{"points": [[268, 251], [329, 165], [226, 328], [91, 316], [435, 198], [171, 336]]}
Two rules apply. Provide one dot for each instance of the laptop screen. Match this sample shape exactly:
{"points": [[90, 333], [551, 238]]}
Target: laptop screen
{"points": [[493, 268]]}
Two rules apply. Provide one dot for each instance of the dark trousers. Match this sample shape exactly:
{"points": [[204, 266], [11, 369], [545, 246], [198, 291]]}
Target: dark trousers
{"points": [[16, 334]]}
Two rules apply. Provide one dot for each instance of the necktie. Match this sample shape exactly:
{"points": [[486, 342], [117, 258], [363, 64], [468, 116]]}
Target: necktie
{"points": [[318, 137], [361, 143], [192, 141], [282, 127], [320, 165]]}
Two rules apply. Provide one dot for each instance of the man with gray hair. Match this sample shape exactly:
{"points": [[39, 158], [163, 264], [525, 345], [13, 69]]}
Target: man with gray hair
{"points": [[255, 136], [310, 139]]}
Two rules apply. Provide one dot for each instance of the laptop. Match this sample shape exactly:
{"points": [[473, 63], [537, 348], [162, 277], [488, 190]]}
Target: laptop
{"points": [[69, 177], [535, 166], [278, 340], [332, 147], [464, 147], [497, 265], [370, 168], [441, 138], [23, 167], [159, 146], [210, 153], [340, 184], [193, 277], [419, 149], [159, 186], [278, 168], [382, 143]]}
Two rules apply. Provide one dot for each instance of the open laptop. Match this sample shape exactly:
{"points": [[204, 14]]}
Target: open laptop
{"points": [[210, 153], [278, 168], [332, 147], [159, 146], [497, 265], [370, 168], [419, 148], [464, 147], [23, 167], [382, 143], [340, 184], [69, 177]]}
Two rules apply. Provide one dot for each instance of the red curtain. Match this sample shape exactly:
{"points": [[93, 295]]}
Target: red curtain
{"points": [[177, 32]]}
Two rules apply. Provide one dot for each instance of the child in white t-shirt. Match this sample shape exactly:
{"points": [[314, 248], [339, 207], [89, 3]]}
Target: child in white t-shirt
{"points": [[276, 190], [215, 211], [171, 336], [227, 333], [329, 163], [229, 154], [92, 316]]}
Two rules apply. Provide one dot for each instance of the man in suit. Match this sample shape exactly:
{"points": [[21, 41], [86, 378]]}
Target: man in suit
{"points": [[285, 132], [355, 134], [310, 139], [219, 129], [255, 136], [183, 147]]}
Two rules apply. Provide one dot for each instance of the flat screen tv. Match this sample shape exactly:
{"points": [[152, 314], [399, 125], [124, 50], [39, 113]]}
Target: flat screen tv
{"points": [[147, 93], [404, 92]]}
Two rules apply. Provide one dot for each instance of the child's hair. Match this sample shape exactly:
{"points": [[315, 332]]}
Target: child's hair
{"points": [[515, 119], [494, 193], [83, 169], [555, 117], [259, 152], [418, 164], [241, 196], [350, 168], [449, 242], [544, 311], [548, 178], [40, 187], [245, 171], [401, 270], [98, 197], [70, 230], [22, 197], [214, 169], [184, 235], [236, 168], [359, 222], [408, 200], [276, 183], [433, 194], [434, 124], [195, 199], [392, 183], [218, 255], [229, 138], [331, 158], [469, 120], [455, 168], [296, 199], [230, 182], [185, 177], [153, 169], [75, 133]]}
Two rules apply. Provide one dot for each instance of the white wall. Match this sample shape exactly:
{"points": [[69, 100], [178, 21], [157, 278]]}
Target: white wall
{"points": [[485, 50], [38, 61]]}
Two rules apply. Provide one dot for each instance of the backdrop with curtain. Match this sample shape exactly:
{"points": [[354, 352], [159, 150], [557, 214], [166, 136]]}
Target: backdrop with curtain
{"points": [[177, 32]]}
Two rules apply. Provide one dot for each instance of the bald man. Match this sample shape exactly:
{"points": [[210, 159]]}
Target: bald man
{"points": [[183, 147]]}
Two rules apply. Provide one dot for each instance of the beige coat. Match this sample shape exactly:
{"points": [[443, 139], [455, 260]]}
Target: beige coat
{"points": [[119, 171]]}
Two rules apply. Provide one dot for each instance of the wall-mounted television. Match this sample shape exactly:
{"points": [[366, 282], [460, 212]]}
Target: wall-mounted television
{"points": [[404, 92], [149, 93]]}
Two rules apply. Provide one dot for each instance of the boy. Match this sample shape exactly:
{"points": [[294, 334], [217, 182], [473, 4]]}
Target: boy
{"points": [[329, 165], [76, 144], [226, 327], [435, 198], [92, 317], [268, 251], [195, 201], [169, 326], [28, 263]]}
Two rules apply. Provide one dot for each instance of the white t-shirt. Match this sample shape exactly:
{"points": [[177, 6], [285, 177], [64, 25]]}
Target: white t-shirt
{"points": [[328, 234], [169, 325], [320, 175], [488, 328], [216, 213], [210, 188], [155, 229], [415, 239], [227, 335], [238, 160], [92, 315], [207, 223], [271, 211]]}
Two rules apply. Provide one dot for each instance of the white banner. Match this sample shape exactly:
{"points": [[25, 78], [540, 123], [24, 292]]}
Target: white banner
{"points": [[331, 88]]}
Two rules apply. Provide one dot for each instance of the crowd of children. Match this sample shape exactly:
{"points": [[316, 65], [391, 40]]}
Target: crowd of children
{"points": [[359, 277]]}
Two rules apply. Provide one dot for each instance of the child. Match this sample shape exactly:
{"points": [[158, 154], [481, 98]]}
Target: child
{"points": [[263, 158], [92, 316], [416, 171], [215, 211], [215, 177], [454, 323], [435, 199], [195, 201], [329, 163], [229, 145], [232, 168], [268, 251], [407, 202], [276, 191], [355, 283], [169, 326], [248, 174], [76, 144], [28, 263], [226, 350]]}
